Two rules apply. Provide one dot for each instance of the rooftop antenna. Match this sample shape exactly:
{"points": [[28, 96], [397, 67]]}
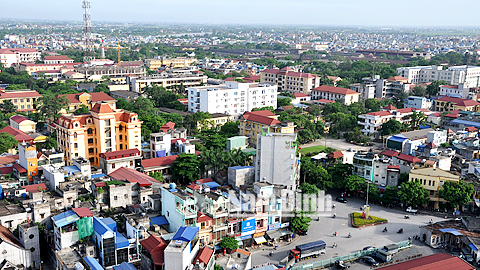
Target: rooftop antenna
{"points": [[87, 32]]}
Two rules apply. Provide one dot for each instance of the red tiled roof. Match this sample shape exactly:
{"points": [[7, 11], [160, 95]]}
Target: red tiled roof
{"points": [[7, 235], [297, 95], [83, 212], [94, 97], [17, 50], [19, 135], [431, 145], [409, 158], [254, 117], [459, 101], [50, 65], [20, 94], [201, 217], [301, 75], [6, 170], [439, 261], [389, 153], [141, 182], [397, 78], [102, 108], [179, 139], [380, 113], [204, 255], [100, 184], [335, 90], [155, 245], [168, 126], [35, 188], [471, 129], [241, 251], [322, 100], [263, 113], [18, 118], [405, 110], [120, 154], [437, 114], [229, 79], [7, 160], [193, 186], [390, 107], [57, 57], [450, 86], [158, 162], [393, 167], [451, 115], [130, 174], [336, 154], [204, 180]]}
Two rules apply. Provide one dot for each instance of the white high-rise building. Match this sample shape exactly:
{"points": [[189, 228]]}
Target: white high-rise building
{"points": [[468, 75], [233, 98]]}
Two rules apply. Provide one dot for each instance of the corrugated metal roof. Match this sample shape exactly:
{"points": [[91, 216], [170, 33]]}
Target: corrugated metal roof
{"points": [[65, 218], [94, 265]]}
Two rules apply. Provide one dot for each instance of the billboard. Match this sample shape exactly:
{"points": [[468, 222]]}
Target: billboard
{"points": [[248, 226]]}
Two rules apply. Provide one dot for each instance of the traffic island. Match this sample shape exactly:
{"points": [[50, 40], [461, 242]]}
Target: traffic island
{"points": [[359, 222]]}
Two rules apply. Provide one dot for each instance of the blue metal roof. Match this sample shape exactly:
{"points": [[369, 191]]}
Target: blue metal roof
{"points": [[451, 230], [473, 247], [124, 266], [94, 265], [186, 233], [65, 218], [97, 175], [397, 138], [100, 227], [466, 123], [110, 223], [120, 241], [240, 167], [71, 169], [160, 220], [212, 184]]}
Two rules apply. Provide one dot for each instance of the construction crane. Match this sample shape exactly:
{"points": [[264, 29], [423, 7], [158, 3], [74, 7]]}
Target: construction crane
{"points": [[118, 48]]}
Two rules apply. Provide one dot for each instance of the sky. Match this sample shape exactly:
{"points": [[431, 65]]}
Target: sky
{"points": [[410, 13]]}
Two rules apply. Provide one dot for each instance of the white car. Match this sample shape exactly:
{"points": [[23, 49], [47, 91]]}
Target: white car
{"points": [[411, 210]]}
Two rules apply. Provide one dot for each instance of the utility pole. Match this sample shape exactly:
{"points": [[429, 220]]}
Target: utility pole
{"points": [[88, 50]]}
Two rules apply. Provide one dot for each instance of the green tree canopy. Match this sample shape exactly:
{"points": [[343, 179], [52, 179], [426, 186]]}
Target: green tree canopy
{"points": [[390, 195], [7, 142], [156, 175], [392, 126], [457, 193], [101, 87], [283, 101], [186, 167], [434, 88], [372, 105], [413, 193], [308, 188], [215, 141], [7, 107], [417, 119], [355, 182], [419, 90], [50, 106], [82, 110], [315, 174], [229, 243], [339, 172], [300, 223], [229, 129]]}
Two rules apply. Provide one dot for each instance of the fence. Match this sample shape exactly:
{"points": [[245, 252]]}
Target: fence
{"points": [[348, 257]]}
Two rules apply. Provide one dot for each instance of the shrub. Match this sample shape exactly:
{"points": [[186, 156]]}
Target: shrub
{"points": [[358, 220]]}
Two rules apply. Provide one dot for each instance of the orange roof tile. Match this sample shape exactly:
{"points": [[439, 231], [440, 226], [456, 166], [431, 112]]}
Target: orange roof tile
{"points": [[335, 90]]}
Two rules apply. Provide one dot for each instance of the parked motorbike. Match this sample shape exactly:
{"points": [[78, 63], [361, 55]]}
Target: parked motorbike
{"points": [[385, 230], [407, 217], [400, 231]]}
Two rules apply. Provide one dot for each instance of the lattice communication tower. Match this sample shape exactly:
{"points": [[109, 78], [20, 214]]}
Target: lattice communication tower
{"points": [[88, 48]]}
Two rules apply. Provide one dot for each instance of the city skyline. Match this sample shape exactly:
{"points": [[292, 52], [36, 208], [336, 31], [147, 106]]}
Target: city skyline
{"points": [[304, 12]]}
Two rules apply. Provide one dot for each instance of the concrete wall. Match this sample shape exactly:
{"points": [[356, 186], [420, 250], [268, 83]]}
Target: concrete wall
{"points": [[241, 176], [29, 237], [120, 195]]}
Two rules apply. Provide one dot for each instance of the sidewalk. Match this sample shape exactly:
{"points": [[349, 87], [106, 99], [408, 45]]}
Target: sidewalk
{"points": [[279, 245]]}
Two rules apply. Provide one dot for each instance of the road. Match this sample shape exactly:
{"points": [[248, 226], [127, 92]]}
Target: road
{"points": [[369, 236], [341, 144]]}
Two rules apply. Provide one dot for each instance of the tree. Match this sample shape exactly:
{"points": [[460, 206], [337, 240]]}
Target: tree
{"points": [[186, 167], [82, 110], [308, 188], [7, 107], [50, 106], [101, 87], [300, 222], [50, 143], [315, 110], [156, 175], [419, 90], [315, 174], [434, 88], [7, 142], [283, 101], [215, 141], [417, 119], [354, 182], [457, 193], [413, 193], [390, 195], [372, 105], [339, 172], [229, 129], [392, 126], [268, 108], [229, 243], [373, 193]]}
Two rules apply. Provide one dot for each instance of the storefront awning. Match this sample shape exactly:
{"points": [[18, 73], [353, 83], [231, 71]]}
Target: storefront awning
{"points": [[274, 234], [285, 232], [260, 240]]}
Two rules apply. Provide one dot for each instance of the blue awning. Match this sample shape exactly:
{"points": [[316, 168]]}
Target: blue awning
{"points": [[186, 234], [65, 218], [124, 266], [160, 220], [97, 175], [94, 265], [473, 247], [100, 227], [121, 241]]}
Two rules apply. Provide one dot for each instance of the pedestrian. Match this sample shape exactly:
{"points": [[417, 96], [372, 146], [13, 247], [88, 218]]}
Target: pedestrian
{"points": [[335, 234], [276, 247]]}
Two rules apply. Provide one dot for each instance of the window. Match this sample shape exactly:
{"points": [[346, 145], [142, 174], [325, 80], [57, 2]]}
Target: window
{"points": [[90, 140], [75, 135], [89, 131], [90, 150], [75, 145], [31, 236], [120, 137], [113, 166], [115, 198], [42, 215], [125, 196]]}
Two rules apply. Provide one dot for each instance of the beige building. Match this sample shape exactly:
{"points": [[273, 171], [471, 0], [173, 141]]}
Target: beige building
{"points": [[22, 99], [432, 179], [166, 80], [289, 80], [259, 122], [57, 59], [103, 130], [217, 120], [179, 62], [335, 93], [22, 123], [89, 100], [31, 68]]}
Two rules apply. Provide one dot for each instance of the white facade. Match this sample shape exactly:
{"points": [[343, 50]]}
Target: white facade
{"points": [[53, 175], [180, 254], [437, 137], [233, 98], [417, 102], [460, 91], [469, 75], [29, 237], [276, 162], [160, 142]]}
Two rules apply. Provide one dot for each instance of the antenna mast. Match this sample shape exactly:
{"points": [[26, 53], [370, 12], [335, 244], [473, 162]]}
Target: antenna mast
{"points": [[88, 49]]}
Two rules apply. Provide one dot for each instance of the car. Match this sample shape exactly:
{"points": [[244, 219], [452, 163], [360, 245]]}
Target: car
{"points": [[341, 199], [369, 260], [411, 210], [302, 232]]}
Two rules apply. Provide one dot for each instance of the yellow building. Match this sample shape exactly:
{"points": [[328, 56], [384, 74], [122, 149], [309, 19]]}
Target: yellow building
{"points": [[218, 119], [289, 80], [179, 62], [27, 165], [102, 130], [447, 104], [259, 122], [22, 123], [89, 100], [432, 179], [31, 68], [22, 99]]}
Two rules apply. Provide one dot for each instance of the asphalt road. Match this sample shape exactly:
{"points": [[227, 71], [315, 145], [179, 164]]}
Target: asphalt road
{"points": [[369, 236], [341, 144]]}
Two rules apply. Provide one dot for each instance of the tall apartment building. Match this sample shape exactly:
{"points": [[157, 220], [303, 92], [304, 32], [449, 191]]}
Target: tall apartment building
{"points": [[11, 56], [288, 80], [468, 75], [381, 88], [166, 80], [102, 130], [277, 162], [233, 98], [179, 62], [23, 100]]}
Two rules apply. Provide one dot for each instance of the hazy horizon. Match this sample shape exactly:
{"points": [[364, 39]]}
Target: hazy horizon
{"points": [[348, 13]]}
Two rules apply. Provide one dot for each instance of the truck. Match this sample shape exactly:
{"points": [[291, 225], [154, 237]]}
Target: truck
{"points": [[411, 210], [303, 252]]}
